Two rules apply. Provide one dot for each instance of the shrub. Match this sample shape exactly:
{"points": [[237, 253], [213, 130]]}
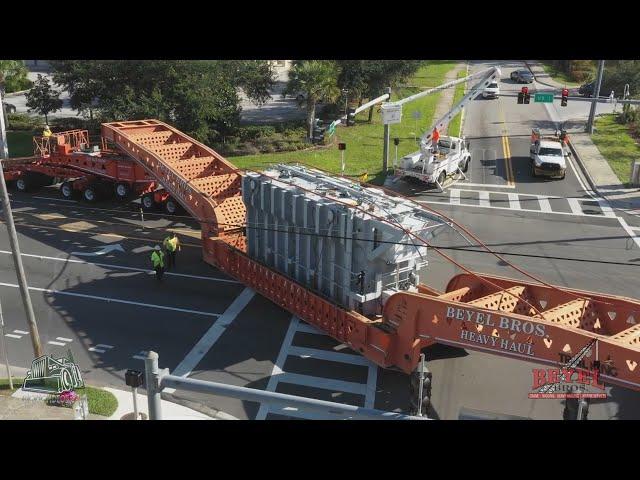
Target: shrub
{"points": [[68, 123], [22, 121], [17, 84]]}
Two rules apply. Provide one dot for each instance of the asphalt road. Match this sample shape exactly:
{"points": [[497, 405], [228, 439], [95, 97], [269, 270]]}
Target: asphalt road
{"points": [[110, 311]]}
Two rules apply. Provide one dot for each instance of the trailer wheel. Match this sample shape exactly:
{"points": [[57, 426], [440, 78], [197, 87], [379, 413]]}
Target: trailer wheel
{"points": [[66, 190], [171, 206], [148, 203], [22, 184], [90, 194], [122, 191]]}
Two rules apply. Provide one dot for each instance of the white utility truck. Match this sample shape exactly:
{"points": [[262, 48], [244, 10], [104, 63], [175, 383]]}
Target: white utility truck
{"points": [[548, 154], [450, 155]]}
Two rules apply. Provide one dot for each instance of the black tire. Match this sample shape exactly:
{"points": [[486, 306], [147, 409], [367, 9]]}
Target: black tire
{"points": [[148, 203], [23, 183], [67, 191], [122, 191], [90, 194], [442, 177], [533, 170], [171, 206], [465, 168]]}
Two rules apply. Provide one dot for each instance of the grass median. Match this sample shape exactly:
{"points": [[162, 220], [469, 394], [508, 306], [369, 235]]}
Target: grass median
{"points": [[616, 145], [558, 75], [364, 141]]}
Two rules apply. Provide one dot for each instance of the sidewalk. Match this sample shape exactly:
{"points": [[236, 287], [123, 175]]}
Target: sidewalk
{"points": [[445, 102], [29, 406]]}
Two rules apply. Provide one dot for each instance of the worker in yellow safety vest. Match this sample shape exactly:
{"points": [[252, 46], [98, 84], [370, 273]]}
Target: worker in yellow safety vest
{"points": [[46, 132], [171, 246], [157, 260]]}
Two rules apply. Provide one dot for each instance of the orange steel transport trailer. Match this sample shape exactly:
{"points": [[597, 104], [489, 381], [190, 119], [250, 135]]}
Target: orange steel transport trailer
{"points": [[527, 320]]}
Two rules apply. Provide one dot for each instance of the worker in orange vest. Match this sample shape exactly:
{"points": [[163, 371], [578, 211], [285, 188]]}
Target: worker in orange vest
{"points": [[435, 136]]}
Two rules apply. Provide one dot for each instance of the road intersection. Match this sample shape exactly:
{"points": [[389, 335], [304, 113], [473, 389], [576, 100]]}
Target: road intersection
{"points": [[110, 310]]}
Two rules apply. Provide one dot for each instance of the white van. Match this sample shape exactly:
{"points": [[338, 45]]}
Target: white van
{"points": [[492, 91]]}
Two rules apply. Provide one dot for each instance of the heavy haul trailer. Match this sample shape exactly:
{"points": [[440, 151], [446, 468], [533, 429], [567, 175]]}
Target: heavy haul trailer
{"points": [[389, 321], [69, 158]]}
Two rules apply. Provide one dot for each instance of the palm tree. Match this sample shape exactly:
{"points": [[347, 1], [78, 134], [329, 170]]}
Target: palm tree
{"points": [[315, 80]]}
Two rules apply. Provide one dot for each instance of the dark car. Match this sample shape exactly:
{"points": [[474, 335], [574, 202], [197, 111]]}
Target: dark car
{"points": [[522, 76], [587, 90]]}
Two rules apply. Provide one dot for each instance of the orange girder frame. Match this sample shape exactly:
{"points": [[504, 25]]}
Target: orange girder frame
{"points": [[512, 318]]}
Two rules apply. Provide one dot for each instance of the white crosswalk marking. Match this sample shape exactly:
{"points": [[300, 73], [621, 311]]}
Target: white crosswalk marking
{"points": [[606, 209], [514, 201], [545, 206], [454, 196], [60, 344], [279, 376], [576, 208], [62, 339], [11, 335], [21, 332], [484, 198]]}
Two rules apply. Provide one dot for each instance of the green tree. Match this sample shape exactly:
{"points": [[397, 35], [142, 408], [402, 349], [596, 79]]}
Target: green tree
{"points": [[316, 80], [367, 79], [198, 97], [13, 76], [43, 98]]}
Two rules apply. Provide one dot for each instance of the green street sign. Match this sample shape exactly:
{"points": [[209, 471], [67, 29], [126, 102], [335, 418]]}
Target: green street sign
{"points": [[543, 98]]}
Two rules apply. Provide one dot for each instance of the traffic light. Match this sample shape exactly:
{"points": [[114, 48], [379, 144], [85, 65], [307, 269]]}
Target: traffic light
{"points": [[520, 98], [526, 94], [318, 131], [351, 117], [565, 97], [414, 392]]}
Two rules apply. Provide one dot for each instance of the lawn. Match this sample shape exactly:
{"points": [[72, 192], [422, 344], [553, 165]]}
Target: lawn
{"points": [[455, 124], [616, 145], [20, 143], [364, 141], [101, 402], [558, 75]]}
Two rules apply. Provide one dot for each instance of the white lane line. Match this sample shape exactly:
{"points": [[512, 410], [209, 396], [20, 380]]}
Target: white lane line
{"points": [[514, 201], [94, 349], [114, 300], [294, 325], [212, 335], [294, 412], [304, 352], [55, 199], [57, 343], [62, 339], [488, 185], [11, 335], [454, 196], [629, 231], [306, 328], [545, 206], [576, 208], [502, 208], [120, 267], [323, 383], [102, 345], [484, 198], [21, 331]]}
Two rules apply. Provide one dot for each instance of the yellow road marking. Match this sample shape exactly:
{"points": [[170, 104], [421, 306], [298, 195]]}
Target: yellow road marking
{"points": [[48, 216], [512, 181], [507, 150], [77, 226]]}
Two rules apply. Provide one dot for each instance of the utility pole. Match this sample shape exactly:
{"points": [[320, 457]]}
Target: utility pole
{"points": [[13, 240], [385, 150], [594, 102]]}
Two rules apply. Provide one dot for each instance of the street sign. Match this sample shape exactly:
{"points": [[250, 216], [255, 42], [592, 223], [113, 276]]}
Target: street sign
{"points": [[543, 98], [391, 113], [331, 129]]}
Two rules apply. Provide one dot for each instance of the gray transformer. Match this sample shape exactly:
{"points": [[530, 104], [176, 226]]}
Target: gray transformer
{"points": [[344, 241]]}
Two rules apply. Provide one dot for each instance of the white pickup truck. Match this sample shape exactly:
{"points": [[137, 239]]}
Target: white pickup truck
{"points": [[452, 154], [548, 155]]}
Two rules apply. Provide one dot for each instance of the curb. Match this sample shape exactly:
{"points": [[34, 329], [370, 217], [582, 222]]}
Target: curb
{"points": [[198, 407], [15, 94]]}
